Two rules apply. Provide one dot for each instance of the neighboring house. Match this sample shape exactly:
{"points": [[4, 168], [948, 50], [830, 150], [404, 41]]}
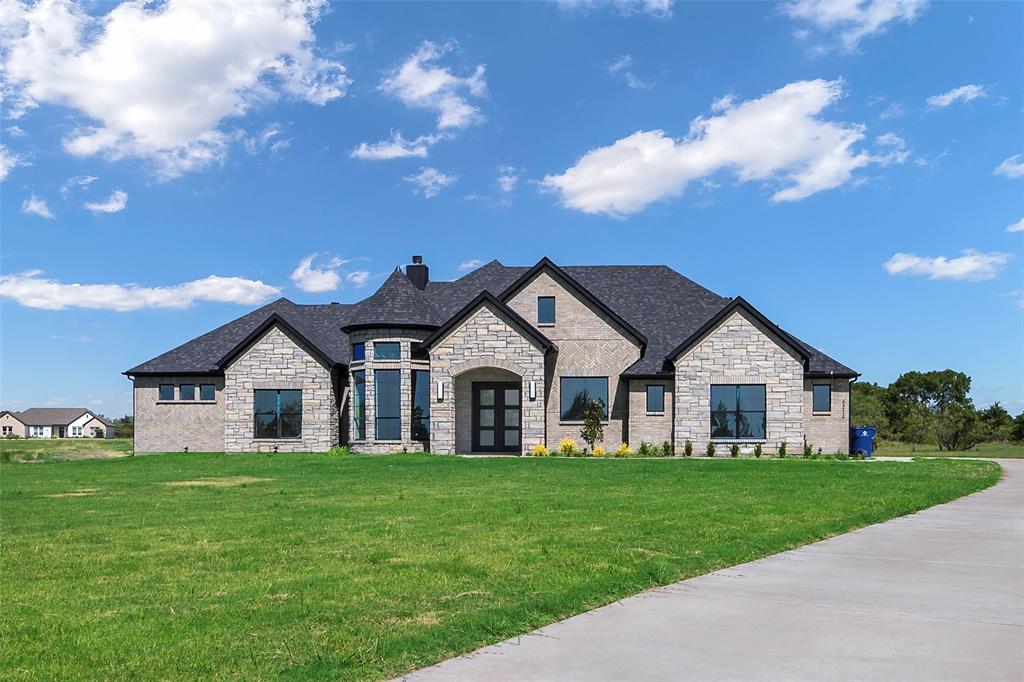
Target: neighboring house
{"points": [[499, 360], [10, 425], [57, 422]]}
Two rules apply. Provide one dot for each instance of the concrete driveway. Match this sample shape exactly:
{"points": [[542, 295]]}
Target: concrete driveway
{"points": [[938, 595]]}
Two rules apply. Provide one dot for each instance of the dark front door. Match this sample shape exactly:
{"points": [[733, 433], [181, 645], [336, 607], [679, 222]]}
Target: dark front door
{"points": [[496, 416]]}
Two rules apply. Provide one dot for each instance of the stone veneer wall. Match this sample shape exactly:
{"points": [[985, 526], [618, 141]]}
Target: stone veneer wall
{"points": [[485, 338], [277, 361], [590, 344], [464, 401], [829, 431], [173, 425], [651, 427], [740, 351], [405, 364]]}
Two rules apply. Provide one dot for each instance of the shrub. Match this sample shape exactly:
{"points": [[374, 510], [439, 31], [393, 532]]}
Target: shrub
{"points": [[807, 451], [645, 450], [98, 432], [734, 450], [339, 451], [624, 450], [600, 451], [710, 452], [842, 456], [540, 450], [782, 449], [757, 450], [593, 429], [568, 448], [687, 448], [667, 450]]}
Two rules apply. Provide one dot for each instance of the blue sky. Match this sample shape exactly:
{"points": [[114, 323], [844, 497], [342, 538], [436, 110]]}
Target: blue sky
{"points": [[854, 170]]}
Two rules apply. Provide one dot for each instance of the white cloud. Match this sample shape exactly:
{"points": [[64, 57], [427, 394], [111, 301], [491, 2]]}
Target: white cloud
{"points": [[358, 278], [779, 138], [508, 179], [853, 20], [76, 182], [896, 150], [965, 93], [973, 265], [396, 148], [36, 206], [1012, 167], [661, 9], [156, 81], [16, 131], [1016, 227], [429, 181], [471, 264], [32, 290], [254, 144], [892, 110], [620, 67], [8, 159], [117, 201], [317, 279], [419, 83]]}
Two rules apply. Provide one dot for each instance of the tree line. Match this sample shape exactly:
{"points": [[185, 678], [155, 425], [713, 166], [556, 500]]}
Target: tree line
{"points": [[932, 407]]}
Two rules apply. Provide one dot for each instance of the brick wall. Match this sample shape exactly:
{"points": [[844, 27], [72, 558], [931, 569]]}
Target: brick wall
{"points": [[651, 427], [829, 431], [171, 426]]}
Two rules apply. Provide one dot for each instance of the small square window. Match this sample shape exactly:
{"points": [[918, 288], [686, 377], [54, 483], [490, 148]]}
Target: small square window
{"points": [[387, 350], [207, 392], [545, 310], [166, 392], [655, 398], [187, 391], [358, 352], [822, 398]]}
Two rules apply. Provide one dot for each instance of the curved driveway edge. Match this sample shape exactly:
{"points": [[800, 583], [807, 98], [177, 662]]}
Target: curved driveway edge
{"points": [[936, 595]]}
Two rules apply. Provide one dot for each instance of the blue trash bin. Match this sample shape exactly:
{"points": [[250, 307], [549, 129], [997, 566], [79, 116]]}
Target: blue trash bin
{"points": [[862, 440]]}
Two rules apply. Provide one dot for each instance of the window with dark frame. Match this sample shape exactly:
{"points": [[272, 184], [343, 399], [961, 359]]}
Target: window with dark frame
{"points": [[166, 392], [655, 398], [821, 398], [187, 391], [545, 310], [576, 392], [388, 392], [359, 405], [277, 413], [358, 352], [738, 411], [387, 350], [207, 392], [420, 404]]}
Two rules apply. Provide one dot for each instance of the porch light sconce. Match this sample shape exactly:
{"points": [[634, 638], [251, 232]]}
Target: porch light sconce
{"points": [[440, 391], [533, 390]]}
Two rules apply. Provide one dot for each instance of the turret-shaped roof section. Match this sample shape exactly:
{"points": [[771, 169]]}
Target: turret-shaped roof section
{"points": [[397, 303]]}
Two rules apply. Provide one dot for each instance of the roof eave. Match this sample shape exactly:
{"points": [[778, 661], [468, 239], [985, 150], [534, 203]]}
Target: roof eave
{"points": [[487, 297]]}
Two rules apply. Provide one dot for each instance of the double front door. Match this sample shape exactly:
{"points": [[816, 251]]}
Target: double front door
{"points": [[496, 416]]}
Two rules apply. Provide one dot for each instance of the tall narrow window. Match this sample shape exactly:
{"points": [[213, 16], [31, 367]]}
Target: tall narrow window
{"points": [[545, 310], [187, 391], [738, 411], [576, 392], [207, 392], [278, 414], [388, 390], [387, 350], [166, 392], [655, 398], [822, 397], [420, 404], [358, 352], [359, 405]]}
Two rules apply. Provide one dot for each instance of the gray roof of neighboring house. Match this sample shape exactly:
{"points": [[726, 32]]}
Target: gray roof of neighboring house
{"points": [[659, 303], [48, 416]]}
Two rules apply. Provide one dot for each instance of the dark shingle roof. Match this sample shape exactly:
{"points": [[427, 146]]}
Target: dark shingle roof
{"points": [[662, 305], [47, 416]]}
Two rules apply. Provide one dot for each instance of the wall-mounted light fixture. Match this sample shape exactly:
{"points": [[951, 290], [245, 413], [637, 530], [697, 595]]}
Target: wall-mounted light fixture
{"points": [[440, 391], [533, 390]]}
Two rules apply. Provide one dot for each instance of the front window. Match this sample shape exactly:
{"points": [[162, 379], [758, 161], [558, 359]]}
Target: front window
{"points": [[822, 398], [76, 431], [545, 310], [359, 405], [738, 411], [387, 350], [420, 404], [358, 352], [278, 413], [8, 430], [206, 392], [166, 391], [655, 398], [187, 391], [36, 431], [576, 392], [388, 389]]}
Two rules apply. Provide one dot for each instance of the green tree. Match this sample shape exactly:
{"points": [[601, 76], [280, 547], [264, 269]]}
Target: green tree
{"points": [[958, 427], [996, 422], [1017, 433], [124, 427], [593, 426], [931, 392], [868, 407]]}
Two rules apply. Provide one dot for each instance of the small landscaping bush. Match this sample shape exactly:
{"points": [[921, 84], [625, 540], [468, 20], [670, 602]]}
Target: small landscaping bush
{"points": [[593, 428], [782, 449], [624, 450], [807, 451], [339, 451], [842, 456], [645, 450], [687, 448], [667, 450], [710, 451], [568, 448], [540, 450], [600, 451], [757, 450], [734, 450]]}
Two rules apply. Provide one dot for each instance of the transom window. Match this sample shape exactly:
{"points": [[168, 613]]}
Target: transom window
{"points": [[358, 352], [359, 405], [388, 390], [655, 398], [278, 413], [545, 310], [387, 350], [738, 411], [166, 392], [207, 392], [420, 404], [187, 391], [576, 392], [822, 397]]}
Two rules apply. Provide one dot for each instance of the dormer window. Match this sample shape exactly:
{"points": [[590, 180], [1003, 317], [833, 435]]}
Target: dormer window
{"points": [[545, 310]]}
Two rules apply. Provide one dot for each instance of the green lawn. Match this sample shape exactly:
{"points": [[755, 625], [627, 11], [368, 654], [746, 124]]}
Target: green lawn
{"points": [[49, 449], [312, 566], [897, 449]]}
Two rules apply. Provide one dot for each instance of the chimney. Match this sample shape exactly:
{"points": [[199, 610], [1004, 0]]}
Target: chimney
{"points": [[418, 273]]}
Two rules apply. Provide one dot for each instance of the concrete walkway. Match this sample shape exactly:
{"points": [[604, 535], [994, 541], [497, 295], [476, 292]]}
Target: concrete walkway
{"points": [[938, 595]]}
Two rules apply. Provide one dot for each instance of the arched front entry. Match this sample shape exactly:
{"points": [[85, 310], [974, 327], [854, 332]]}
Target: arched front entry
{"points": [[488, 411]]}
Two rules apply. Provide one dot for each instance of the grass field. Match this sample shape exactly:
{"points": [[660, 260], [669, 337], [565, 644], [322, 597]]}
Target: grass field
{"points": [[312, 566], [897, 449], [50, 449]]}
